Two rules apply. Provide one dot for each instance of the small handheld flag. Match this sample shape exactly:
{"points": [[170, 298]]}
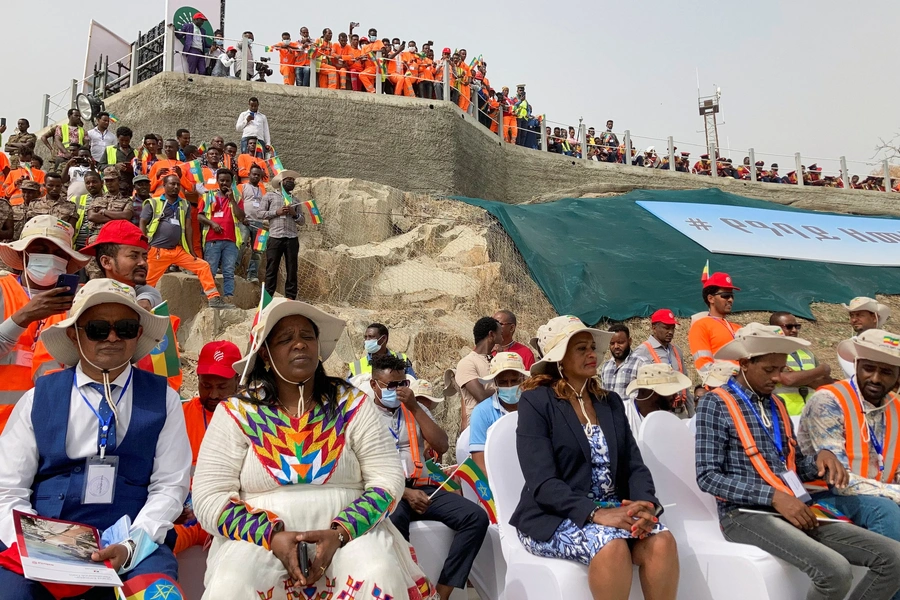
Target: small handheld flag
{"points": [[705, 275], [436, 474], [275, 165], [149, 586], [262, 238], [163, 359], [264, 300], [469, 472], [113, 118], [313, 209], [202, 148], [196, 170]]}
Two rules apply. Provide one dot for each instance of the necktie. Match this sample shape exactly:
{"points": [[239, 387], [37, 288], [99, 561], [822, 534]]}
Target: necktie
{"points": [[106, 416]]}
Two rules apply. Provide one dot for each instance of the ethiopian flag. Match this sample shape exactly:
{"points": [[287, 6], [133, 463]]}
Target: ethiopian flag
{"points": [[313, 209], [705, 274], [275, 165], [469, 472], [150, 586], [163, 359], [196, 170], [435, 473], [264, 300], [262, 238]]}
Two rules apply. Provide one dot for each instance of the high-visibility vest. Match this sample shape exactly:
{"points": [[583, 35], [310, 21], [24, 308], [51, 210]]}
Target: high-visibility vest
{"points": [[362, 365], [791, 396], [16, 366], [682, 395], [521, 109], [111, 155], [158, 205], [81, 203], [760, 465], [209, 202], [857, 441], [64, 132]]}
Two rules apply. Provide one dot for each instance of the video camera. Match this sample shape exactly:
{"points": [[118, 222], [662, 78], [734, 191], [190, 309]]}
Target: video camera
{"points": [[262, 69]]}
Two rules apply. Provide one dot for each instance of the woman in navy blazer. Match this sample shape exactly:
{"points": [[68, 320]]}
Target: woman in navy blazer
{"points": [[588, 496]]}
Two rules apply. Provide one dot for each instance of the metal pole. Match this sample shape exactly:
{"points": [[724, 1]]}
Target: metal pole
{"points": [[887, 175], [544, 140], [714, 160], [627, 146], [133, 75], [582, 138], [752, 165], [74, 93], [671, 142], [379, 84], [500, 122], [45, 110], [798, 164], [314, 73], [446, 82], [845, 176], [245, 56], [169, 49]]}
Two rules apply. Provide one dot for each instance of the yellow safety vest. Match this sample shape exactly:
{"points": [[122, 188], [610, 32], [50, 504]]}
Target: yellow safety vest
{"points": [[158, 205], [362, 365], [111, 155], [793, 399], [64, 132], [209, 199], [81, 203], [521, 109]]}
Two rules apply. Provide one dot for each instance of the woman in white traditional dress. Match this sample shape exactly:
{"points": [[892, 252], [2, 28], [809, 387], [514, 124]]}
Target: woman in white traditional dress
{"points": [[301, 457]]}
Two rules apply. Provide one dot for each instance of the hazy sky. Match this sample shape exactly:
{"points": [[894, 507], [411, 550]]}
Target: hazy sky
{"points": [[816, 77]]}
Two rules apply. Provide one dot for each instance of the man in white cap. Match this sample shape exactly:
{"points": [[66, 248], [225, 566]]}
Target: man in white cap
{"points": [[31, 300], [858, 419], [507, 374], [284, 213], [865, 313], [747, 457], [657, 387], [101, 419]]}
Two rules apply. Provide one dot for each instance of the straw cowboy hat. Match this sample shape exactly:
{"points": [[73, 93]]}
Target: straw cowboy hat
{"points": [[50, 229], [423, 388], [661, 378], [876, 345], [276, 181], [506, 361], [553, 340], [330, 329], [718, 373], [870, 304], [94, 293], [450, 387], [756, 339]]}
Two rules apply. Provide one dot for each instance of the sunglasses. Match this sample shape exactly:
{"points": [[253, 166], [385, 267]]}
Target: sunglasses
{"points": [[726, 295], [393, 385], [794, 326], [97, 331]]}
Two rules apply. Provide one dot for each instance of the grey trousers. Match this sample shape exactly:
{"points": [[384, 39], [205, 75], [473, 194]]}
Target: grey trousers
{"points": [[825, 554]]}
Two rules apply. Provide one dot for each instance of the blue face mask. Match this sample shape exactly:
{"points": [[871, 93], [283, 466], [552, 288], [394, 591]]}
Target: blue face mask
{"points": [[389, 398], [371, 346], [509, 395]]}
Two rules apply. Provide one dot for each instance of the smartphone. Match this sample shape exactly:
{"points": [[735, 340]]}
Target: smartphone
{"points": [[303, 558], [69, 282], [3, 121]]}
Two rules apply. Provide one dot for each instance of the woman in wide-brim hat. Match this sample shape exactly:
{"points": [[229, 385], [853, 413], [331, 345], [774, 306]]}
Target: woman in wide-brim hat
{"points": [[588, 496], [300, 456]]}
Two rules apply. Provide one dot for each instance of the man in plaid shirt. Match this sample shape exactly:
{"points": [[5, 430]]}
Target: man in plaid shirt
{"points": [[621, 369], [742, 413]]}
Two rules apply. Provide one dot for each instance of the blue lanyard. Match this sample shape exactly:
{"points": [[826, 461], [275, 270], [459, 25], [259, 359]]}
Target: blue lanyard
{"points": [[775, 434], [879, 447], [104, 425], [396, 434]]}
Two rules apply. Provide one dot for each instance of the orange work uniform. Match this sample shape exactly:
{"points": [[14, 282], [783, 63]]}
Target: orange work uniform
{"points": [[397, 76], [163, 168], [16, 367], [10, 188], [368, 74], [463, 86], [287, 56], [343, 58], [245, 163], [327, 73], [510, 125], [707, 336], [196, 420], [493, 112]]}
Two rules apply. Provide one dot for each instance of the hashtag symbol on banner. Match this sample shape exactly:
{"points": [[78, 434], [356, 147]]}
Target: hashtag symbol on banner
{"points": [[700, 224]]}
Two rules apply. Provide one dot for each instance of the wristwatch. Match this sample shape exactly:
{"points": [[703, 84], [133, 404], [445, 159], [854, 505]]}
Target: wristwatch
{"points": [[591, 516], [341, 539]]}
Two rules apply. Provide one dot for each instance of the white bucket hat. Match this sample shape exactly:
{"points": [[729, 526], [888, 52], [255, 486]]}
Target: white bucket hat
{"points": [[50, 229], [553, 340], [423, 387], [882, 312], [330, 329], [450, 387], [876, 345], [94, 293], [718, 373], [276, 181], [756, 339], [661, 378], [506, 361]]}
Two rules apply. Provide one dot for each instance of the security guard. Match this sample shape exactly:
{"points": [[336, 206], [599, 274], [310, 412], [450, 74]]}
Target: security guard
{"points": [[375, 342], [805, 373]]}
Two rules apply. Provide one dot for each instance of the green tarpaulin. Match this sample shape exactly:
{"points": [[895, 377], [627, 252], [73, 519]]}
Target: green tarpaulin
{"points": [[608, 258]]}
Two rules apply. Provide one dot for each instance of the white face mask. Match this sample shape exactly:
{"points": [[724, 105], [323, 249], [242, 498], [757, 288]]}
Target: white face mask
{"points": [[44, 269]]}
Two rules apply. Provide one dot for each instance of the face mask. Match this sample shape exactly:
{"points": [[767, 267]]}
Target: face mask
{"points": [[396, 46], [372, 346], [45, 269], [288, 186], [509, 395], [389, 398]]}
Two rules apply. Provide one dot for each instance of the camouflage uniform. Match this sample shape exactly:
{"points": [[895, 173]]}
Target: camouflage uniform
{"points": [[5, 212], [107, 201], [62, 209]]}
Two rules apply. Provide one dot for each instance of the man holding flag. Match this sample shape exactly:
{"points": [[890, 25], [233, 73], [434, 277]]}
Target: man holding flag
{"points": [[410, 426], [284, 213]]}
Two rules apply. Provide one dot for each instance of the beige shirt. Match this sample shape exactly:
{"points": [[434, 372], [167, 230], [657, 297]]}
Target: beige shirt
{"points": [[472, 366]]}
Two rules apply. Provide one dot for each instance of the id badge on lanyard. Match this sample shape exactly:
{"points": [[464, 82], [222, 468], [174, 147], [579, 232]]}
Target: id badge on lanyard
{"points": [[100, 479]]}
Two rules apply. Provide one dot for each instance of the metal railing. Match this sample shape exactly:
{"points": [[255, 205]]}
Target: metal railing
{"points": [[155, 52]]}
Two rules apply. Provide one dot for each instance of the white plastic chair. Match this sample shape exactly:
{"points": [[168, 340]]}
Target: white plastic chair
{"points": [[528, 577], [711, 566], [192, 571]]}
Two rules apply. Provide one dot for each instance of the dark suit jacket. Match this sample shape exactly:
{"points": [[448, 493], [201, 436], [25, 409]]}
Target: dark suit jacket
{"points": [[556, 460]]}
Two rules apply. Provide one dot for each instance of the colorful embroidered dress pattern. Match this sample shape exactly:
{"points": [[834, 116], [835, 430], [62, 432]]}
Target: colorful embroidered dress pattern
{"points": [[301, 450], [240, 521], [365, 512]]}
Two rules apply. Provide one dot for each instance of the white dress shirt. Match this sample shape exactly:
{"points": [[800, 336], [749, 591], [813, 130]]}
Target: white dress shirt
{"points": [[258, 127], [169, 480], [100, 140]]}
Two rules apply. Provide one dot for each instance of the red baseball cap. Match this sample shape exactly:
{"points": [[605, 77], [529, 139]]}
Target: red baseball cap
{"points": [[664, 316], [217, 358], [200, 15], [722, 280], [446, 51], [118, 231]]}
